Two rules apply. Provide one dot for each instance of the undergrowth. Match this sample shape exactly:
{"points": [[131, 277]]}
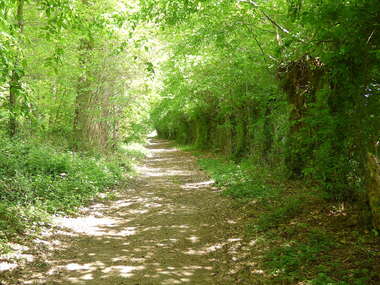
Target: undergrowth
{"points": [[301, 243], [239, 180], [37, 181], [289, 260]]}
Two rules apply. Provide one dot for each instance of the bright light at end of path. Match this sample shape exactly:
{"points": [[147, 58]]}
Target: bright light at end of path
{"points": [[152, 134]]}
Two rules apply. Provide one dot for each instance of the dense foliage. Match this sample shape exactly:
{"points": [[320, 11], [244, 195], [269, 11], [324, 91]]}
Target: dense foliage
{"points": [[72, 90], [71, 69], [292, 84]]}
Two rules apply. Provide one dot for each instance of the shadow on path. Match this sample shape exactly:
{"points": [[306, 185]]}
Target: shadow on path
{"points": [[168, 228]]}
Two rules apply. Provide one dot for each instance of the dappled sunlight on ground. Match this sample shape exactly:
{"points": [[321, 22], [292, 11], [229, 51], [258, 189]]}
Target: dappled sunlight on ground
{"points": [[167, 229], [90, 225], [197, 185]]}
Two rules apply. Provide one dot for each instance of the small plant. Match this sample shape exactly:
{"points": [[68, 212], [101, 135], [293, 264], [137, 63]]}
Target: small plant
{"points": [[324, 279], [278, 214], [289, 262]]}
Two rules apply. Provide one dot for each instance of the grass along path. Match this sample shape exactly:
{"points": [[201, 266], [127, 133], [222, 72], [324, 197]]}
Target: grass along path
{"points": [[170, 227]]}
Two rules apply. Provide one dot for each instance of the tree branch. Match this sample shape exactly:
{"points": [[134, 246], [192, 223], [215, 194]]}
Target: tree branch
{"points": [[274, 23]]}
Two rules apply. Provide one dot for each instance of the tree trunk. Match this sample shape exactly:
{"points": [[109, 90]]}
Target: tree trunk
{"points": [[83, 95], [15, 84], [301, 79]]}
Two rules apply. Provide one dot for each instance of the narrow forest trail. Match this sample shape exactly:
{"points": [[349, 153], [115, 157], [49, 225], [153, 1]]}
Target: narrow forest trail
{"points": [[170, 227]]}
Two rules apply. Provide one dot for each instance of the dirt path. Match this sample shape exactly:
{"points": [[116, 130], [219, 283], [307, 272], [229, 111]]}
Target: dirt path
{"points": [[169, 227]]}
